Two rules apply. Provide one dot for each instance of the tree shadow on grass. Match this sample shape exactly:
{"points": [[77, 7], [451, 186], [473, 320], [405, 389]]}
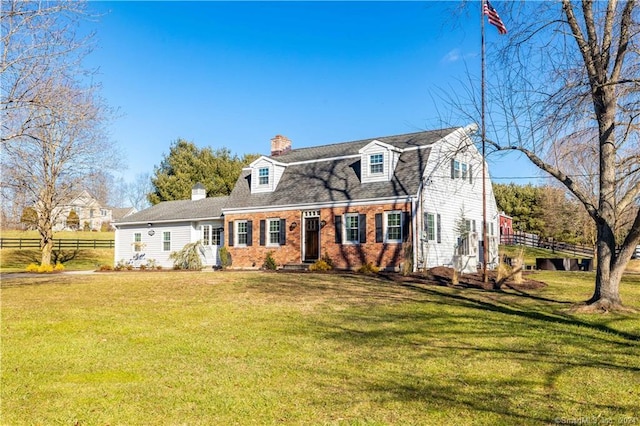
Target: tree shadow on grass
{"points": [[501, 305], [562, 346]]}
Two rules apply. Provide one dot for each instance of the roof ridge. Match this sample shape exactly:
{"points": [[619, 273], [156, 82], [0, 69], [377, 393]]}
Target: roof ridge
{"points": [[447, 129]]}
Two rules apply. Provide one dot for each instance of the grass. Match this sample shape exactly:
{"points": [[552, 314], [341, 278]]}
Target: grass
{"points": [[283, 348], [16, 260]]}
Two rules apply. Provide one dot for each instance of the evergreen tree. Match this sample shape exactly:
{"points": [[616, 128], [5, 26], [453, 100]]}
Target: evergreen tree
{"points": [[186, 165]]}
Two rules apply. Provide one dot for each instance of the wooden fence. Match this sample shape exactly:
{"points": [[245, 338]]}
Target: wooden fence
{"points": [[59, 244], [533, 240]]}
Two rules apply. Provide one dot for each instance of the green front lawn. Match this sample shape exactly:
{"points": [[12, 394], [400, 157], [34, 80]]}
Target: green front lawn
{"points": [[140, 348]]}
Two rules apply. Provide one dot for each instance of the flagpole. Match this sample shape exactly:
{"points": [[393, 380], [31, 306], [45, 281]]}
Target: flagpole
{"points": [[485, 275]]}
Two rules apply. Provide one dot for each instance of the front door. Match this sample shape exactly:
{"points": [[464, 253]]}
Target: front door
{"points": [[311, 239]]}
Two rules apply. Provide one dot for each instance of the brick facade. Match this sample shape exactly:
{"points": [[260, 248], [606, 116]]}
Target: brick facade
{"points": [[344, 256]]}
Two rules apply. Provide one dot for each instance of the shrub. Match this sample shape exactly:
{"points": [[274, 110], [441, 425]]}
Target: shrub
{"points": [[105, 268], [152, 264], [143, 267], [122, 264], [32, 267], [320, 265], [368, 268], [44, 269], [269, 262], [225, 258], [189, 257], [59, 267], [326, 259]]}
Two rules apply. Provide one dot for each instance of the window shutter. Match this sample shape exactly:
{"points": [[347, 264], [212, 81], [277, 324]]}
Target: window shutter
{"points": [[249, 232], [263, 225], [438, 229], [283, 232], [470, 174], [453, 170], [338, 228], [406, 224], [230, 233], [379, 236], [362, 223]]}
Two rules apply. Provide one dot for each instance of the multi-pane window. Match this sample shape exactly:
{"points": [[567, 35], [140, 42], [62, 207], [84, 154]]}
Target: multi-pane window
{"points": [[394, 226], [137, 240], [210, 235], [206, 235], [456, 169], [263, 176], [241, 232], [352, 228], [430, 226], [460, 170], [215, 236], [166, 241], [274, 231], [376, 163]]}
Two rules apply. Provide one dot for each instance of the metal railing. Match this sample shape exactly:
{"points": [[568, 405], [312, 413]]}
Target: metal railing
{"points": [[59, 244]]}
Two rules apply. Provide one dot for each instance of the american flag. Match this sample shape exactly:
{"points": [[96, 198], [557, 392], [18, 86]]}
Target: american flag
{"points": [[494, 18]]}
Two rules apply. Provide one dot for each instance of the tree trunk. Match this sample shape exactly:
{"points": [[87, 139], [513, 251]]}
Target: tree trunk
{"points": [[606, 295], [46, 245]]}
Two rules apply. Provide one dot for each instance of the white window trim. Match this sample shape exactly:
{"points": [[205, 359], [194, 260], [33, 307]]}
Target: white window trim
{"points": [[427, 228], [344, 229], [386, 226], [381, 163], [236, 225], [268, 233], [268, 176], [165, 240], [137, 244]]}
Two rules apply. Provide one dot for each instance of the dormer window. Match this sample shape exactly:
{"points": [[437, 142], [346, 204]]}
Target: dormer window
{"points": [[263, 176], [376, 163]]}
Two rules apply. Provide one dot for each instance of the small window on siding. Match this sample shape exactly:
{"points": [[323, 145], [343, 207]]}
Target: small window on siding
{"points": [[166, 241], [430, 226], [137, 240], [263, 176], [376, 164]]}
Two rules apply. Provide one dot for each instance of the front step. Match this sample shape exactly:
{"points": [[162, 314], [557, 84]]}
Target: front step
{"points": [[296, 267]]}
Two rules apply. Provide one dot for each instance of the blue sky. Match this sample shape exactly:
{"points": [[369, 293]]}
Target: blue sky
{"points": [[235, 74]]}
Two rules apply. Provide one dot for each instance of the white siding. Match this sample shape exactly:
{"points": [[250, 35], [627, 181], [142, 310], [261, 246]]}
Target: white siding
{"points": [[390, 159], [182, 234], [450, 199], [275, 173], [152, 245]]}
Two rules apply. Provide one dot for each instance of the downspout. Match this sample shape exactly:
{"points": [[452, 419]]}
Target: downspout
{"points": [[414, 225]]}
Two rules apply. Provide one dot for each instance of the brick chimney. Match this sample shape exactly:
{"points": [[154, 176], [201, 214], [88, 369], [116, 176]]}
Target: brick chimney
{"points": [[279, 145]]}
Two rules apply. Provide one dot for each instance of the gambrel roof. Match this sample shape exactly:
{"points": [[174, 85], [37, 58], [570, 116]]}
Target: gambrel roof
{"points": [[332, 173], [179, 210]]}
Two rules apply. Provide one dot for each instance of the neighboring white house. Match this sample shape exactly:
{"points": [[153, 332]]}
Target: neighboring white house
{"points": [[377, 200], [151, 235]]}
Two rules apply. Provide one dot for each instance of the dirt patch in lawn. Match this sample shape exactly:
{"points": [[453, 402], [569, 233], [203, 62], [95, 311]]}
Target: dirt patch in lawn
{"points": [[443, 276]]}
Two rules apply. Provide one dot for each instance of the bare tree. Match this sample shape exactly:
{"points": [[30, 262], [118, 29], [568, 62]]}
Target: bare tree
{"points": [[53, 135], [138, 190], [39, 40], [568, 74]]}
